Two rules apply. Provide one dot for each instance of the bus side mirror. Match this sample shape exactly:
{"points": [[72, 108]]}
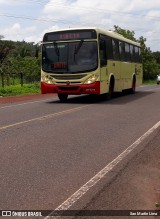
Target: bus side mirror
{"points": [[103, 62]]}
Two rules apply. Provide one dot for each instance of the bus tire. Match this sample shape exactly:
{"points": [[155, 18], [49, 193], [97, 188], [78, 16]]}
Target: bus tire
{"points": [[63, 98], [133, 89], [111, 89]]}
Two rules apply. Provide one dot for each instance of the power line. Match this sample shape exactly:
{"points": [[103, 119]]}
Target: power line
{"points": [[30, 18], [42, 2], [69, 22], [58, 21], [61, 4]]}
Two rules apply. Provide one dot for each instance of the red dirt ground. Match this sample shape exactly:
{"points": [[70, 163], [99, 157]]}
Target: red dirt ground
{"points": [[14, 99]]}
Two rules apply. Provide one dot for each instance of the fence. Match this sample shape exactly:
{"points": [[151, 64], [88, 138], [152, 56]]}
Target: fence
{"points": [[7, 79]]}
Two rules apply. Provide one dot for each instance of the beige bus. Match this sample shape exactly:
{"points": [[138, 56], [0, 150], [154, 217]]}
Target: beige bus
{"points": [[89, 61]]}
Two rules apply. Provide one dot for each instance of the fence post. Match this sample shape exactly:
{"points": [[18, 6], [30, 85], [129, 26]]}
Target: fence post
{"points": [[2, 74], [21, 79], [8, 79], [13, 78]]}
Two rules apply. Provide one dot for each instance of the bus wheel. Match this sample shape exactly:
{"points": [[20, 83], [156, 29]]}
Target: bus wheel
{"points": [[111, 89], [133, 89], [63, 97]]}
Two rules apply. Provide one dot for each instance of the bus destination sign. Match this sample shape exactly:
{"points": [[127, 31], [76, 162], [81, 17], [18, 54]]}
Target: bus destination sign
{"points": [[69, 35]]}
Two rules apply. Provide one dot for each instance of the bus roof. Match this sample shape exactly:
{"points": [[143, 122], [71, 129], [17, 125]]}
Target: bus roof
{"points": [[101, 31]]}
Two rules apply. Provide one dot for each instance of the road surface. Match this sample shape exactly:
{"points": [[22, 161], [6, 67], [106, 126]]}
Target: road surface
{"points": [[50, 150]]}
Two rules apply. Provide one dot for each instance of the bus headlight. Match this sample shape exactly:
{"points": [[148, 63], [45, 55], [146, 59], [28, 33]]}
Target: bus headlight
{"points": [[47, 79], [91, 79]]}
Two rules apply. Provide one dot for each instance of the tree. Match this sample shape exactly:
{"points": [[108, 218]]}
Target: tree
{"points": [[24, 49], [1, 37], [157, 56], [6, 48], [19, 58], [150, 64], [126, 33], [29, 66]]}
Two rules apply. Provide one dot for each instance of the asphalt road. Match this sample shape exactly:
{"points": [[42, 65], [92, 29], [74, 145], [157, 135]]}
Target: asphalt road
{"points": [[49, 150]]}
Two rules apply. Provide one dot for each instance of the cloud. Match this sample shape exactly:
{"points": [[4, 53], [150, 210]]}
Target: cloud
{"points": [[93, 14], [16, 31], [139, 16], [2, 1], [8, 2]]}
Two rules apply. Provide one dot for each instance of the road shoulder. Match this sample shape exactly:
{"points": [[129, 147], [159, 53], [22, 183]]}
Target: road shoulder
{"points": [[136, 186], [15, 99]]}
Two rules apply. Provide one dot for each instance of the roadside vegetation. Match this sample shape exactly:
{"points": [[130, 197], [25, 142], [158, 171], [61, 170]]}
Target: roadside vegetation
{"points": [[14, 90], [20, 69], [149, 82]]}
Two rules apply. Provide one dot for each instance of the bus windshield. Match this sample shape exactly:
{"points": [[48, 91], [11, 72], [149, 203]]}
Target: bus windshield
{"points": [[70, 57]]}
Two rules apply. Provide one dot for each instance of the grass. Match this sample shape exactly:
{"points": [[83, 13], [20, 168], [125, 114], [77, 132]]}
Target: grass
{"points": [[150, 82], [15, 90]]}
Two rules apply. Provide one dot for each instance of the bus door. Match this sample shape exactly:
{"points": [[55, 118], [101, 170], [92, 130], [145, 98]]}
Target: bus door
{"points": [[103, 66]]}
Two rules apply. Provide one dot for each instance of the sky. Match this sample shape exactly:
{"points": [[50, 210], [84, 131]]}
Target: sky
{"points": [[28, 20]]}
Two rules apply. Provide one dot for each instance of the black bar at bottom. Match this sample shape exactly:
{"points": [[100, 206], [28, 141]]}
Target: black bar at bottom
{"points": [[43, 213]]}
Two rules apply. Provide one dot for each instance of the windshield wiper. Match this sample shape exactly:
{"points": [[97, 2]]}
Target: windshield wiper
{"points": [[56, 49], [78, 47]]}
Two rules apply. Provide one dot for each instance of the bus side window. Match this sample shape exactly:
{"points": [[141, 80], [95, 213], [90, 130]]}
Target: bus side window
{"points": [[127, 52], [102, 52], [109, 48], [115, 46], [137, 54], [132, 53], [122, 50], [140, 56]]}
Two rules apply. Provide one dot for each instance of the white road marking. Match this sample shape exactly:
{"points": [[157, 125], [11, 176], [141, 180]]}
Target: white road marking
{"points": [[44, 117], [93, 181], [21, 104]]}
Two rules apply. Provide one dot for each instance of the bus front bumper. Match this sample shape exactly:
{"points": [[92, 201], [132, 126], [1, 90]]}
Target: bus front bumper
{"points": [[75, 89]]}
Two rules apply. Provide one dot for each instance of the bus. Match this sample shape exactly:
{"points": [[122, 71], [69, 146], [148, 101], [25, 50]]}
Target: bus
{"points": [[89, 61]]}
